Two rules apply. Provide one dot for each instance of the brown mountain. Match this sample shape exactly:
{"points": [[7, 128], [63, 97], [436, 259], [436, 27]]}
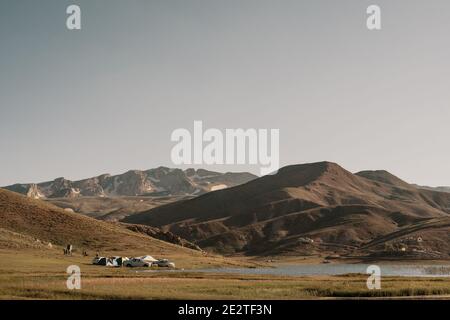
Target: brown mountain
{"points": [[153, 182], [313, 208], [26, 222]]}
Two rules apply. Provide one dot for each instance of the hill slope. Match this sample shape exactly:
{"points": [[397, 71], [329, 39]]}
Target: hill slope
{"points": [[24, 222], [303, 209]]}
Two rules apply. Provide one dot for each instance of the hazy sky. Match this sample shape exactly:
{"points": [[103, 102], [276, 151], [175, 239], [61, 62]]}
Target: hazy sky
{"points": [[107, 98]]}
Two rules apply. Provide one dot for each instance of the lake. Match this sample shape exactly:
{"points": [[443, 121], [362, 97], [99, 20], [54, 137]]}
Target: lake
{"points": [[337, 269]]}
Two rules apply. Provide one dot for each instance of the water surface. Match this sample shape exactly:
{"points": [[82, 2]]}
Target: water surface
{"points": [[337, 269]]}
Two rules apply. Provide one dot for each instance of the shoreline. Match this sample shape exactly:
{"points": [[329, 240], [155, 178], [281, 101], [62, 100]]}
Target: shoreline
{"points": [[319, 260]]}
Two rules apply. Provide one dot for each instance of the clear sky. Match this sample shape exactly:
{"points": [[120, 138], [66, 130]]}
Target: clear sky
{"points": [[106, 99]]}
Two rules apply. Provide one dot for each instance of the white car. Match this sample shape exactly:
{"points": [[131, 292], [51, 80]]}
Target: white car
{"points": [[137, 262], [165, 263]]}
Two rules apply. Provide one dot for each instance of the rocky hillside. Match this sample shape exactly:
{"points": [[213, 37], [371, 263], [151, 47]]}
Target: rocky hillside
{"points": [[159, 181]]}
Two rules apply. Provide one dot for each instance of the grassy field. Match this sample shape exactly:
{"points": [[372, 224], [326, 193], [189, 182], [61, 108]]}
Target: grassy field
{"points": [[41, 275]]}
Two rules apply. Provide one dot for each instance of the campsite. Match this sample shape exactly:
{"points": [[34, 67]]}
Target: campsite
{"points": [[146, 261]]}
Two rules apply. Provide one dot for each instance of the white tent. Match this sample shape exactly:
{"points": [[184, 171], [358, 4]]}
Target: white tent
{"points": [[148, 258]]}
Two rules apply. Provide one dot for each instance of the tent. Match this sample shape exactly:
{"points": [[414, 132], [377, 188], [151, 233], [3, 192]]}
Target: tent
{"points": [[148, 258], [102, 261], [118, 261], [109, 262]]}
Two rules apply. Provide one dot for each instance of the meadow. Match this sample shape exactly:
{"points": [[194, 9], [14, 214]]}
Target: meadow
{"points": [[42, 275]]}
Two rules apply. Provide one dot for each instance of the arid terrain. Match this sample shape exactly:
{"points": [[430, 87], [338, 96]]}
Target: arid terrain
{"points": [[28, 224], [304, 214]]}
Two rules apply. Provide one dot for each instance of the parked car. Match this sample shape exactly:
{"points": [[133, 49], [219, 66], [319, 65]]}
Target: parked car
{"points": [[165, 263], [137, 262]]}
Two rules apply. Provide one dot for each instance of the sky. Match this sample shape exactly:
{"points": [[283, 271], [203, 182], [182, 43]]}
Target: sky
{"points": [[106, 98]]}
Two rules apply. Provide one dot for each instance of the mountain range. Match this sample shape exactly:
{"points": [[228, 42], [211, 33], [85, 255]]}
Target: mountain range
{"points": [[160, 181], [313, 208]]}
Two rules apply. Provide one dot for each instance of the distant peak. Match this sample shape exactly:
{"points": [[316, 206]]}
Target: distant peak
{"points": [[382, 176], [318, 167]]}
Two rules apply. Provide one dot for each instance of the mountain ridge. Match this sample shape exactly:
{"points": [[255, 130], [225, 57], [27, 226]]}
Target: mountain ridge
{"points": [[158, 181]]}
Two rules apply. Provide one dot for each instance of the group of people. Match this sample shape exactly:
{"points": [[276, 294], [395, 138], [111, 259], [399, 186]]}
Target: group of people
{"points": [[69, 248]]}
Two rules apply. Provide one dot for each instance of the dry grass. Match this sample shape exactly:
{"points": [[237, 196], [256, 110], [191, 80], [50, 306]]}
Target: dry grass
{"points": [[41, 275]]}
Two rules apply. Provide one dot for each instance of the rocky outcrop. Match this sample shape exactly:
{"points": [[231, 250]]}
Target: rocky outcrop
{"points": [[33, 192]]}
